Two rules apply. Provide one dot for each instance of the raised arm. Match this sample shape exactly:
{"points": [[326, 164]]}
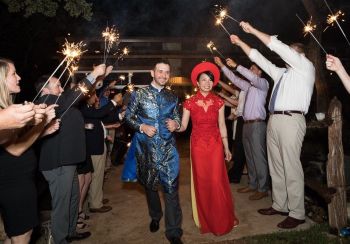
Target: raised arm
{"points": [[255, 56], [334, 64], [288, 54], [254, 79]]}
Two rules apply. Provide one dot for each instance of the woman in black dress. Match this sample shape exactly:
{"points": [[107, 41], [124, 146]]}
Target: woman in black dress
{"points": [[18, 204]]}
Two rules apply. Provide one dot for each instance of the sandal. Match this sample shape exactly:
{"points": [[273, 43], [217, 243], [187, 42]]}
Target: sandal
{"points": [[83, 216]]}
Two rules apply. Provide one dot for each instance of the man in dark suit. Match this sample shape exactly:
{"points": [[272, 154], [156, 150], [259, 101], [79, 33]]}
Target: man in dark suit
{"points": [[61, 152], [96, 147]]}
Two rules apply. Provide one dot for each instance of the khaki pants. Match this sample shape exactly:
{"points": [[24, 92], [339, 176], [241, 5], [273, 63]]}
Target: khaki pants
{"points": [[285, 135], [95, 195]]}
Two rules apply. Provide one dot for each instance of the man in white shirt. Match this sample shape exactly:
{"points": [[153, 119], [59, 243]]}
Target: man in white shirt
{"points": [[290, 100]]}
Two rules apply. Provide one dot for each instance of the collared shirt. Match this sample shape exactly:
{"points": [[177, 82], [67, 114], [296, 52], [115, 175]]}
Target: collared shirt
{"points": [[256, 89], [240, 106], [297, 84]]}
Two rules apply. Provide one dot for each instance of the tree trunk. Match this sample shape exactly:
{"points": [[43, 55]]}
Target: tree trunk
{"points": [[335, 169], [316, 9]]}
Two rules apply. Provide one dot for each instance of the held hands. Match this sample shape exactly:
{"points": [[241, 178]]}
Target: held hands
{"points": [[231, 63], [228, 155], [333, 63], [50, 113], [235, 40], [19, 115], [218, 61], [52, 127], [148, 130], [246, 27], [172, 125], [40, 113]]}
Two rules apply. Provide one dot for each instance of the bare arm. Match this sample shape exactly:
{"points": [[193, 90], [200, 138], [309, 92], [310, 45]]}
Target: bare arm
{"points": [[334, 64], [228, 99], [223, 133], [185, 119], [227, 87]]}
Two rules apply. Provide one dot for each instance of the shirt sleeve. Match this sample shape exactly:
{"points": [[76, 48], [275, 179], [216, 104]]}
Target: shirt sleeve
{"points": [[294, 59], [187, 104], [255, 80], [269, 68], [240, 83]]}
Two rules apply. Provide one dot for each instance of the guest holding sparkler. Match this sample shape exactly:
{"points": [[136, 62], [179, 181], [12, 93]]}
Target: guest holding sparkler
{"points": [[16, 115], [18, 202], [254, 128], [96, 147], [62, 151], [290, 100], [152, 112], [334, 64], [212, 205]]}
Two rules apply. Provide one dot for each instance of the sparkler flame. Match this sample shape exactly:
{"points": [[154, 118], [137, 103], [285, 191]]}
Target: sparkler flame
{"points": [[73, 51], [82, 87], [122, 77], [331, 18], [309, 27]]}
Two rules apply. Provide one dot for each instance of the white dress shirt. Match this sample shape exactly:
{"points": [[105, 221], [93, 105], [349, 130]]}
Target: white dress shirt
{"points": [[298, 81]]}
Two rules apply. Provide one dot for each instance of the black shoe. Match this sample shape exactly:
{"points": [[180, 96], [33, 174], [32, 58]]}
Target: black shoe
{"points": [[234, 181], [176, 240], [78, 236], [154, 225]]}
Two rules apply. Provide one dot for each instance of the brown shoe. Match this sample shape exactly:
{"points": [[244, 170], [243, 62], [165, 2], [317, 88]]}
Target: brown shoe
{"points": [[258, 195], [245, 190], [271, 211], [102, 209], [105, 201], [290, 223]]}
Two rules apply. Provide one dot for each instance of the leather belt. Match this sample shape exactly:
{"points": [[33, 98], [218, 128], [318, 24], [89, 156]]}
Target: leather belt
{"points": [[288, 112], [253, 121]]}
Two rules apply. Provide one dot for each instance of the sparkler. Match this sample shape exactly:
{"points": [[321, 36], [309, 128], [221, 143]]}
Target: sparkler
{"points": [[71, 51], [223, 14], [309, 28], [110, 36], [83, 91], [125, 52], [219, 22], [71, 70], [334, 18], [211, 47]]}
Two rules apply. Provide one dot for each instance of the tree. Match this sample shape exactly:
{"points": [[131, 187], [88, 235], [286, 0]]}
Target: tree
{"points": [[317, 10], [49, 8]]}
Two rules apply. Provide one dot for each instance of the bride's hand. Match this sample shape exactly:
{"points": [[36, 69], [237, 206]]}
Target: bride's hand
{"points": [[228, 155]]}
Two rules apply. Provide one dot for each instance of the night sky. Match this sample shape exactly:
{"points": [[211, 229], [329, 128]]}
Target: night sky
{"points": [[33, 42]]}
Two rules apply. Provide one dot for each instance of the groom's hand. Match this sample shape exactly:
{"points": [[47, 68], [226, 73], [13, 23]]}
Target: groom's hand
{"points": [[148, 130]]}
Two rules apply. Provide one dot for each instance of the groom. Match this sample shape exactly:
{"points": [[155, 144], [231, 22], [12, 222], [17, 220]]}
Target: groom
{"points": [[152, 113]]}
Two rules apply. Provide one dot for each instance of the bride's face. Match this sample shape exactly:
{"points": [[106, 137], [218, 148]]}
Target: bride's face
{"points": [[205, 84]]}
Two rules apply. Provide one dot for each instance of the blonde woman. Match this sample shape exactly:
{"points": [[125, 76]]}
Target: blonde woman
{"points": [[18, 163]]}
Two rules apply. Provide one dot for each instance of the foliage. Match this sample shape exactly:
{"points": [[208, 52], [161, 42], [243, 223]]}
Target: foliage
{"points": [[49, 8]]}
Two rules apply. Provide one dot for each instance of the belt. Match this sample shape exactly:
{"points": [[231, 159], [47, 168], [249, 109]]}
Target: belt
{"points": [[253, 121], [287, 112]]}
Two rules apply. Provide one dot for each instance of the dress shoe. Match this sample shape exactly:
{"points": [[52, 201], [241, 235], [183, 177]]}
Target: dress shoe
{"points": [[102, 209], [78, 236], [271, 211], [258, 195], [154, 225], [105, 201], [245, 190], [175, 240], [290, 223]]}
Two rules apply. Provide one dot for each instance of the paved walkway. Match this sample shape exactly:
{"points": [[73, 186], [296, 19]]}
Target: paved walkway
{"points": [[128, 221]]}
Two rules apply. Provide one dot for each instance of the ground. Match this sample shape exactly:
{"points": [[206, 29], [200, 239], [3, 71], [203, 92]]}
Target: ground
{"points": [[128, 221]]}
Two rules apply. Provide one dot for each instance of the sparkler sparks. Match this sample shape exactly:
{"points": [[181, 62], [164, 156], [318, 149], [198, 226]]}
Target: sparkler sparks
{"points": [[211, 46], [111, 36], [308, 29], [334, 18]]}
